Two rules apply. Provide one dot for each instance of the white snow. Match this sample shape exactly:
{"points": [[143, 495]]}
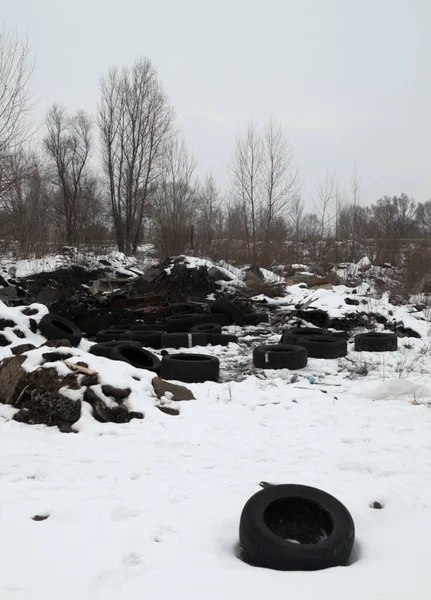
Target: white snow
{"points": [[151, 509]]}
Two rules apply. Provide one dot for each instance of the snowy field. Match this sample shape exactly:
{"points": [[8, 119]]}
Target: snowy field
{"points": [[150, 509]]}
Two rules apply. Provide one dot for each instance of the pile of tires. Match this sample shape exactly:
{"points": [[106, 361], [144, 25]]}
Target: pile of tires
{"points": [[319, 343], [295, 528]]}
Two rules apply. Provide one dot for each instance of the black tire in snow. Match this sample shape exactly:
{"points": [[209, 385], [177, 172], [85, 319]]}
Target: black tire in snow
{"points": [[190, 368], [137, 357], [182, 323], [54, 327], [376, 342], [148, 327], [230, 309], [106, 348], [256, 318], [323, 346], [220, 318], [206, 328], [183, 340], [221, 339], [112, 335], [295, 528], [279, 357], [148, 339]]}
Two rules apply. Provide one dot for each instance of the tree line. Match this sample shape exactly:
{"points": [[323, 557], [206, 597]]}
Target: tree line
{"points": [[125, 176]]}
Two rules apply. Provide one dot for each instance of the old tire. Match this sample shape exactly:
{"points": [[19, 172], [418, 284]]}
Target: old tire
{"points": [[190, 368], [220, 318], [206, 328], [276, 518], [148, 327], [182, 323], [228, 308], [148, 339], [376, 342], [183, 340], [279, 357], [323, 346], [221, 339], [256, 318], [112, 335], [106, 348], [137, 357], [290, 336], [54, 327]]}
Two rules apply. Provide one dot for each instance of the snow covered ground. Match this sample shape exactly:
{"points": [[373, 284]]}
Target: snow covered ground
{"points": [[150, 509]]}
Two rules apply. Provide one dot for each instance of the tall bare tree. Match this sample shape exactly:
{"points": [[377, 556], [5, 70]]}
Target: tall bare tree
{"points": [[328, 194], [209, 212], [247, 181], [68, 146], [135, 121], [174, 199], [280, 179], [15, 103]]}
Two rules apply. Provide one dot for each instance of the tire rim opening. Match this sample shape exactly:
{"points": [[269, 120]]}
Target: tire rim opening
{"points": [[191, 357], [298, 520], [136, 357]]}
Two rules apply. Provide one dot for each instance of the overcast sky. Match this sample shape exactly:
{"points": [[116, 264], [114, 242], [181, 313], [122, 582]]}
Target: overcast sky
{"points": [[349, 79]]}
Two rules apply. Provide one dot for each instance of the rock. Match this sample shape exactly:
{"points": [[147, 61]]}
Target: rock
{"points": [[90, 396], [179, 392], [19, 333], [47, 407], [21, 348], [168, 410], [54, 356], [320, 282], [28, 312], [57, 343], [40, 517], [351, 301], [216, 275], [116, 393], [4, 341], [121, 414], [101, 412], [33, 325], [6, 323], [136, 415], [13, 379], [377, 505], [89, 380]]}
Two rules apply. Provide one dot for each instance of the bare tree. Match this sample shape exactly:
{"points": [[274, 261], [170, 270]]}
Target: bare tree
{"points": [[15, 103], [68, 145], [328, 193], [280, 180], [397, 217], [173, 200], [247, 181], [135, 121], [209, 212], [296, 217]]}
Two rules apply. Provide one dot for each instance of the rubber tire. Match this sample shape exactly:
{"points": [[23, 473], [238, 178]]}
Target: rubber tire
{"points": [[137, 357], [112, 335], [54, 327], [220, 318], [289, 336], [148, 327], [182, 324], [224, 306], [206, 328], [280, 356], [323, 346], [221, 339], [105, 348], [148, 339], [376, 342], [183, 340], [256, 318], [190, 368], [263, 548]]}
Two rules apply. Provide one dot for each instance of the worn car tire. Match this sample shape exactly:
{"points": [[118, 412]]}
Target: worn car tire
{"points": [[221, 339], [183, 340], [206, 328], [137, 357], [224, 306], [256, 318], [276, 518], [323, 346], [148, 339], [54, 327], [106, 348], [112, 335], [190, 368], [279, 356], [182, 323], [376, 342], [221, 318], [148, 327]]}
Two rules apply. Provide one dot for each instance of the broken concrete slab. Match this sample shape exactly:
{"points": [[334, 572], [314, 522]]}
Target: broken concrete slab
{"points": [[178, 393]]}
